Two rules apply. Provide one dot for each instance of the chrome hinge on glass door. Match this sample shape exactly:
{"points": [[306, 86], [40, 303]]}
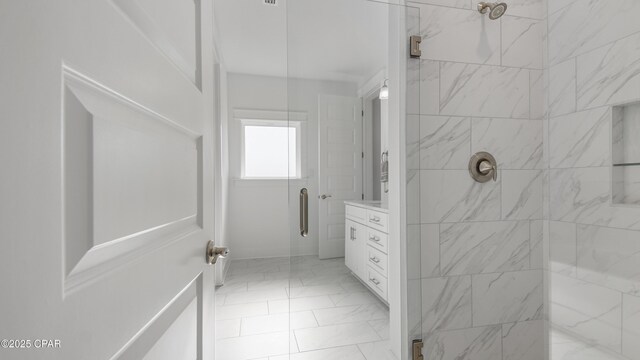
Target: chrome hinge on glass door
{"points": [[414, 46], [417, 349]]}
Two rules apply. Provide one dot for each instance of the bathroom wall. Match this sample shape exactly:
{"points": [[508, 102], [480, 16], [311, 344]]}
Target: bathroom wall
{"points": [[476, 250], [262, 217], [594, 59]]}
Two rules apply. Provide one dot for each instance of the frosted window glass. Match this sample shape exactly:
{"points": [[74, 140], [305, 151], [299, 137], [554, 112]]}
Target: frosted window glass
{"points": [[270, 152]]}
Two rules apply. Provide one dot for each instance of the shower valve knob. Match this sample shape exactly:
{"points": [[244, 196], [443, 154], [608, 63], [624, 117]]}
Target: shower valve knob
{"points": [[486, 168], [483, 167]]}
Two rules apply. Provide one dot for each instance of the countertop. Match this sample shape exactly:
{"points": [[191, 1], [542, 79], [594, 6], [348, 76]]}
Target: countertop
{"points": [[372, 205]]}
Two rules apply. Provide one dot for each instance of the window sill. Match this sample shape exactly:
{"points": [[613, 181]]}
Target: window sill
{"points": [[262, 182], [266, 179]]}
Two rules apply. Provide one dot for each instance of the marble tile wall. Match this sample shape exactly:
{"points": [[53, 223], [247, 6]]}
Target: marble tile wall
{"points": [[477, 250], [594, 63]]}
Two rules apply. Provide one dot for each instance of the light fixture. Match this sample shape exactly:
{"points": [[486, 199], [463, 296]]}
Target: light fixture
{"points": [[384, 91]]}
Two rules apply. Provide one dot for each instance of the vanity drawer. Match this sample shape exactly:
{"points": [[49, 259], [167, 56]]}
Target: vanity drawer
{"points": [[377, 259], [378, 240], [377, 282], [377, 220], [356, 213]]}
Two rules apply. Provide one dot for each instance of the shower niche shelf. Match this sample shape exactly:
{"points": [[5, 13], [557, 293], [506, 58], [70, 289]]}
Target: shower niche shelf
{"points": [[626, 154]]}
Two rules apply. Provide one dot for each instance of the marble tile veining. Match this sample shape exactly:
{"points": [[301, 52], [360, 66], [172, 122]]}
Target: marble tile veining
{"points": [[446, 304], [522, 194], [445, 142], [430, 250], [484, 247], [523, 340], [586, 25], [451, 195], [610, 74], [516, 144], [566, 346], [609, 257], [484, 91], [479, 343], [563, 247], [507, 297], [538, 98], [591, 312], [429, 101], [581, 139], [562, 90], [583, 195], [522, 42], [539, 243]]}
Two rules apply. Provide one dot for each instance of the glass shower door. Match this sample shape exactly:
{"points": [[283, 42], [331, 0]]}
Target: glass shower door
{"points": [[348, 94]]}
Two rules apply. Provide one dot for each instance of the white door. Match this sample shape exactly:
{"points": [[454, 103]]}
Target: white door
{"points": [[340, 170], [106, 179]]}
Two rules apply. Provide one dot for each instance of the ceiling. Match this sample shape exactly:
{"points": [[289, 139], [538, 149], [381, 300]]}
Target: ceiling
{"points": [[342, 40]]}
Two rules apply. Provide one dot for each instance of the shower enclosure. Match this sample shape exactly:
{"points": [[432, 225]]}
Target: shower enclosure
{"points": [[365, 49], [543, 263], [594, 215], [476, 254], [540, 261]]}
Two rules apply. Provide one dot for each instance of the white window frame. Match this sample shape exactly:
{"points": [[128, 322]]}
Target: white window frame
{"points": [[297, 125]]}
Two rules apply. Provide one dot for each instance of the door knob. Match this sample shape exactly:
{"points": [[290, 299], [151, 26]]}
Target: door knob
{"points": [[214, 252], [323, 196]]}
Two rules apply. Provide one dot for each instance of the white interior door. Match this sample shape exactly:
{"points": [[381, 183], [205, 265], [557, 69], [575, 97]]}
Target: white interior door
{"points": [[340, 167], [106, 187]]}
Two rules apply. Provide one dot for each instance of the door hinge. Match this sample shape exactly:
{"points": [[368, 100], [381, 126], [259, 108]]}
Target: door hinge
{"points": [[362, 196], [362, 111], [414, 46], [363, 154], [417, 349]]}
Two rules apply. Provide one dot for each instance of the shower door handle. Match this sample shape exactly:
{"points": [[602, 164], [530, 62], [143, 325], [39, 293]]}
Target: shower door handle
{"points": [[304, 212]]}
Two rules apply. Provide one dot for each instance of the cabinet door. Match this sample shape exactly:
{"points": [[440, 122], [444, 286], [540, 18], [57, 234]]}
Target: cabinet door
{"points": [[349, 246], [359, 243]]}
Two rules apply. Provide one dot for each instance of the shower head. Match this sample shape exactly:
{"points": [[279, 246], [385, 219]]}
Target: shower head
{"points": [[496, 10]]}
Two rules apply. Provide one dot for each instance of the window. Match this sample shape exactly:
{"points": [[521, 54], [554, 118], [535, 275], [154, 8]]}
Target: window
{"points": [[270, 149]]}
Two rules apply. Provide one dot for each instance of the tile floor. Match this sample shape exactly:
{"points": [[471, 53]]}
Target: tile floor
{"points": [[301, 308]]}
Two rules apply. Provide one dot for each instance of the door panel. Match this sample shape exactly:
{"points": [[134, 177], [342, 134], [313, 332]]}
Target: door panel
{"points": [[340, 167], [107, 199]]}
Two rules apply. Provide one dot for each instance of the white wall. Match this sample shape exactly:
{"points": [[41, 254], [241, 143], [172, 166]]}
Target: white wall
{"points": [[263, 214]]}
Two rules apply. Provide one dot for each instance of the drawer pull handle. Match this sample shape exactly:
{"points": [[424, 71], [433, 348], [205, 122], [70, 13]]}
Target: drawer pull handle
{"points": [[375, 281], [374, 259], [374, 219], [374, 238]]}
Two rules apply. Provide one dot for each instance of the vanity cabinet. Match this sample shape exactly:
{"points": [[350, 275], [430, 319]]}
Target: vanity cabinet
{"points": [[366, 245]]}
